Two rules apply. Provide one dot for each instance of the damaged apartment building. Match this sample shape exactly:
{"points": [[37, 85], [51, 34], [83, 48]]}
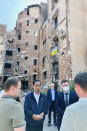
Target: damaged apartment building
{"points": [[48, 41], [2, 50], [63, 39], [27, 42]]}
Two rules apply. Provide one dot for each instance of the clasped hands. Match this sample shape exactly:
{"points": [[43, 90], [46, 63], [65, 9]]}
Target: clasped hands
{"points": [[38, 117]]}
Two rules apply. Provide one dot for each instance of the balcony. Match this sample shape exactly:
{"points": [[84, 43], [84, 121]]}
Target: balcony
{"points": [[54, 31], [8, 59]]}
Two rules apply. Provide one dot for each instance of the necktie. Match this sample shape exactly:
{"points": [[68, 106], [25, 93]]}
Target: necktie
{"points": [[66, 101]]}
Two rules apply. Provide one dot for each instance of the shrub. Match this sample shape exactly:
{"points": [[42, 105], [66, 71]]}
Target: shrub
{"points": [[72, 87]]}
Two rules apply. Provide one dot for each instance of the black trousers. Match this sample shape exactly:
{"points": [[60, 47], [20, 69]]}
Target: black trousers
{"points": [[59, 121], [34, 128], [52, 108]]}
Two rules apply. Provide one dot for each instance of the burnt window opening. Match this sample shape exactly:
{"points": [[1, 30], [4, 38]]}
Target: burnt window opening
{"points": [[62, 53], [26, 43], [17, 63], [55, 66], [19, 37], [16, 70], [34, 77], [43, 61], [9, 53], [35, 62], [55, 70], [56, 76], [36, 21], [11, 41], [25, 72], [27, 11], [27, 22], [56, 40], [35, 47], [35, 70], [27, 31], [7, 65], [56, 1], [45, 75], [44, 42], [18, 49], [26, 57], [24, 84], [56, 22], [5, 78]]}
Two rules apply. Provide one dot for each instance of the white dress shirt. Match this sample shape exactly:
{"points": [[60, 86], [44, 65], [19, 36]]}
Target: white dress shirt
{"points": [[36, 97]]}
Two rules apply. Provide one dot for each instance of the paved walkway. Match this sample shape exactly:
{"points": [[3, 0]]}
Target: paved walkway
{"points": [[51, 128]]}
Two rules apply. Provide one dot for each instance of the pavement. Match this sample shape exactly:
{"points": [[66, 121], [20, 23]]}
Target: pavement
{"points": [[50, 128]]}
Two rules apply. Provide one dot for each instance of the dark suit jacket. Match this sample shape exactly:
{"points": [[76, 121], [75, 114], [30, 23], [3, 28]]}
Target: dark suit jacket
{"points": [[49, 97], [31, 107], [60, 103]]}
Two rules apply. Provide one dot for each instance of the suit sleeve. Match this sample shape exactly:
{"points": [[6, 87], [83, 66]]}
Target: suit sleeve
{"points": [[67, 122], [45, 105], [27, 107], [47, 99], [58, 107]]}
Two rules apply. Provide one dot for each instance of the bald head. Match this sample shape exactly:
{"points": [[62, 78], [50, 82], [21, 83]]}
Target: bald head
{"points": [[52, 85]]}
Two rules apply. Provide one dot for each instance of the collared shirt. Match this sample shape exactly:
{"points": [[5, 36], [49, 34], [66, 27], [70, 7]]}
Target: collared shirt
{"points": [[82, 99], [12, 113], [36, 97], [2, 93], [75, 117], [53, 94]]}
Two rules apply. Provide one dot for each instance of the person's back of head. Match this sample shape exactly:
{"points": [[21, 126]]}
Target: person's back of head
{"points": [[12, 86], [80, 81]]}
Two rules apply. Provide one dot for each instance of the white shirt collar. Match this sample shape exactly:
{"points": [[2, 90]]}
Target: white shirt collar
{"points": [[37, 97], [82, 99], [67, 92]]}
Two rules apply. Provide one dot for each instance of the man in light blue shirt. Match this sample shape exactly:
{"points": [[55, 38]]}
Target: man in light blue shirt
{"points": [[51, 100], [53, 94]]}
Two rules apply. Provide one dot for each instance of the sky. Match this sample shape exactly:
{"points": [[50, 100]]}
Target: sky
{"points": [[9, 10]]}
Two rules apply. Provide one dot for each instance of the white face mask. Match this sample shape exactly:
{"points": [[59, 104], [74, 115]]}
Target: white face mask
{"points": [[66, 88]]}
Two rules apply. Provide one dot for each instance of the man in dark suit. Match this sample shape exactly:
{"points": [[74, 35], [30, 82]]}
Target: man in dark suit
{"points": [[35, 108], [64, 98], [51, 101]]}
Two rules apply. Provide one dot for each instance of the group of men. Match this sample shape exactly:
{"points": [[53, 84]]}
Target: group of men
{"points": [[57, 102], [37, 105]]}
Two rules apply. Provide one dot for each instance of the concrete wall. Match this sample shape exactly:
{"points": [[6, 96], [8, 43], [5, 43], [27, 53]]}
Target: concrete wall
{"points": [[2, 49], [78, 35]]}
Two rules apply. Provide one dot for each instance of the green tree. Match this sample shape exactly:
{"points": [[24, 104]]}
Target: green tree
{"points": [[72, 87]]}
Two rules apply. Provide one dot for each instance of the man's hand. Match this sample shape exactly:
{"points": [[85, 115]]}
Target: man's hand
{"points": [[35, 117], [42, 114], [38, 117]]}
